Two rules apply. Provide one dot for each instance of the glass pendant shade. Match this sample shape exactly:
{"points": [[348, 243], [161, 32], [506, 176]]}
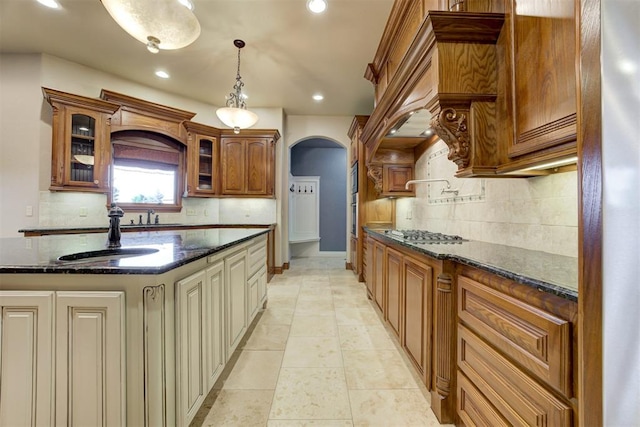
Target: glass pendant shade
{"points": [[168, 22], [237, 118], [235, 113]]}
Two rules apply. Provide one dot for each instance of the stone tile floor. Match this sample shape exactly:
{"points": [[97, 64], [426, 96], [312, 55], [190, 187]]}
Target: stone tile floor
{"points": [[318, 355]]}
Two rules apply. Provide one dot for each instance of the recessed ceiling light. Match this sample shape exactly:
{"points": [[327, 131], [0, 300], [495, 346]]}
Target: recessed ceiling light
{"points": [[627, 66], [162, 74], [317, 6], [53, 4], [318, 97]]}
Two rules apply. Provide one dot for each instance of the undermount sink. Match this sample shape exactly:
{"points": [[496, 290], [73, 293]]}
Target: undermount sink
{"points": [[113, 253]]}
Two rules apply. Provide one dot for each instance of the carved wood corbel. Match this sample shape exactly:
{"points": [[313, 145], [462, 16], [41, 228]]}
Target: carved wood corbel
{"points": [[451, 126], [374, 172]]}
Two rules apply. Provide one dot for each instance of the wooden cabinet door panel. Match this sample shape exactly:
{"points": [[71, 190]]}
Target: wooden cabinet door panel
{"points": [[394, 178], [536, 339], [544, 95], [393, 312], [90, 358], [258, 167], [518, 397], [379, 279], [232, 156], [417, 314], [26, 358]]}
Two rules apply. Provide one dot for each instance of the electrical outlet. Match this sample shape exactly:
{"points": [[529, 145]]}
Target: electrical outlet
{"points": [[409, 214], [27, 243], [29, 211], [206, 212], [191, 212], [83, 212]]}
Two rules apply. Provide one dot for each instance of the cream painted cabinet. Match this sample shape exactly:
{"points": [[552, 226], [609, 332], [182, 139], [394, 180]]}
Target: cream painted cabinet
{"points": [[85, 384], [214, 323], [257, 273], [190, 293], [235, 281], [26, 358], [90, 358]]}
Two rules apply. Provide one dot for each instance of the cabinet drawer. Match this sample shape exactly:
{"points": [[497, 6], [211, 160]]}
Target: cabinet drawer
{"points": [[257, 257], [519, 398], [474, 409], [539, 341]]}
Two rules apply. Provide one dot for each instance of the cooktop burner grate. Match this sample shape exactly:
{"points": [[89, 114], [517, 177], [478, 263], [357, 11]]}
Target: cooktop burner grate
{"points": [[424, 236]]}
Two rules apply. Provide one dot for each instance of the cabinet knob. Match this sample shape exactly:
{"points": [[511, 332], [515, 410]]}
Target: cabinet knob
{"points": [[96, 182]]}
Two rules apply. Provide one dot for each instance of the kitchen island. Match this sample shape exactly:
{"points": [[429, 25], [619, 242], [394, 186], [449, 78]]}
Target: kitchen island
{"points": [[126, 340]]}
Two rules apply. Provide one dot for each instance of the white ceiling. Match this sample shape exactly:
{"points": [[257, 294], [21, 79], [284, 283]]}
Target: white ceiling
{"points": [[290, 53]]}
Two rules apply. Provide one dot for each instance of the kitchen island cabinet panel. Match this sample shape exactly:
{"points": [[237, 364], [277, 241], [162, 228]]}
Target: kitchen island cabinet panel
{"points": [[214, 323], [90, 358], [235, 276], [26, 358], [190, 295]]}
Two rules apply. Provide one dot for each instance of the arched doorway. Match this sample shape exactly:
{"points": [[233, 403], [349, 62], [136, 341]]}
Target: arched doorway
{"points": [[326, 159]]}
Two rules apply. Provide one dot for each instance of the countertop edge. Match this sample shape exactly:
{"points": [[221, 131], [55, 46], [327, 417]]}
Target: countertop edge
{"points": [[75, 268], [539, 284]]}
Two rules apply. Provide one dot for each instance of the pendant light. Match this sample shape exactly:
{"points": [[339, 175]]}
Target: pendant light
{"points": [[159, 24], [235, 114]]}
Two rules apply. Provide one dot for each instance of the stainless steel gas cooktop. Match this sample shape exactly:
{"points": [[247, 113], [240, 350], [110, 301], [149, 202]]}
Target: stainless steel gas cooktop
{"points": [[424, 236]]}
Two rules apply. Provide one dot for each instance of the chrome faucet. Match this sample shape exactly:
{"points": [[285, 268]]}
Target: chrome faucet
{"points": [[149, 213]]}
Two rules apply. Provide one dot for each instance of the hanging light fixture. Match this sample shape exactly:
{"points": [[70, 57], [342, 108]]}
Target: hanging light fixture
{"points": [[235, 114], [159, 24]]}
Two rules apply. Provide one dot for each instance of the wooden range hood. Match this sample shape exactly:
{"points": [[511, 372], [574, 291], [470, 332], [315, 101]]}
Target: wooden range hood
{"points": [[449, 68]]}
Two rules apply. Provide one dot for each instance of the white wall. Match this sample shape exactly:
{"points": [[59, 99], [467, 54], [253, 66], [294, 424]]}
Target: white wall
{"points": [[300, 128], [534, 213], [621, 211]]}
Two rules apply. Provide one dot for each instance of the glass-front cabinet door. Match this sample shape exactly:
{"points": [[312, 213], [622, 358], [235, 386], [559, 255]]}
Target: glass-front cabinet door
{"points": [[80, 142], [203, 159]]}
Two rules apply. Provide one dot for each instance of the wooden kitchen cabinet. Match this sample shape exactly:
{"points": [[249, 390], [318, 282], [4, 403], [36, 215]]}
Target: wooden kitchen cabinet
{"points": [[394, 178], [394, 281], [257, 277], [80, 147], [540, 102], [378, 277], [62, 357], [417, 291], [247, 163], [515, 352], [203, 160]]}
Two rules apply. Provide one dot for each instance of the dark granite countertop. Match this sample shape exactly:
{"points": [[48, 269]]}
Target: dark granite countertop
{"points": [[556, 274], [175, 248]]}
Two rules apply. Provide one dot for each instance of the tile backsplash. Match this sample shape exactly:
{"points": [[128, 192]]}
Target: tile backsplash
{"points": [[538, 213]]}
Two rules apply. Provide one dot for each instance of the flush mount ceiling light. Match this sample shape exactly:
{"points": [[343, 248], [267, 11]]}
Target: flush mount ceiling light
{"points": [[235, 114], [53, 4], [318, 97], [159, 24], [316, 6]]}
